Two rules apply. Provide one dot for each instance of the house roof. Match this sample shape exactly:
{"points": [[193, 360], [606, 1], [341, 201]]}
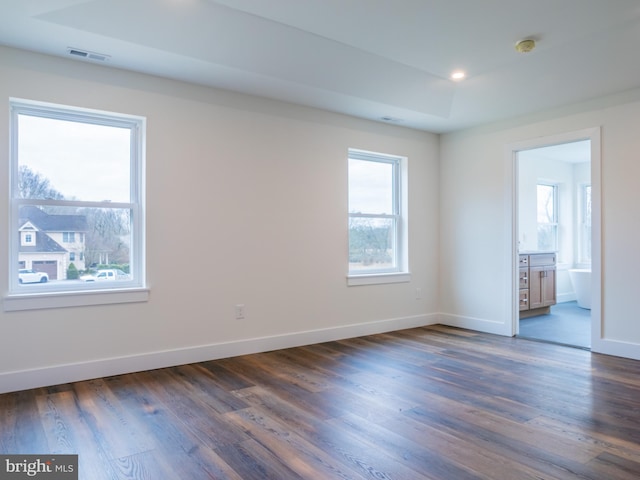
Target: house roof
{"points": [[52, 223]]}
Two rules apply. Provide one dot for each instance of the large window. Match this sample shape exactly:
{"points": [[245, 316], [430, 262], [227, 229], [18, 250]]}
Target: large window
{"points": [[77, 189], [547, 217], [377, 223]]}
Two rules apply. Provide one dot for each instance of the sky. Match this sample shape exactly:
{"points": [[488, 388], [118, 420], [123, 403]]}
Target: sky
{"points": [[370, 188], [81, 161]]}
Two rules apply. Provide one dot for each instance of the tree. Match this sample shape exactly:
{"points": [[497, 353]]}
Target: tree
{"points": [[368, 243], [107, 235], [33, 185], [72, 272]]}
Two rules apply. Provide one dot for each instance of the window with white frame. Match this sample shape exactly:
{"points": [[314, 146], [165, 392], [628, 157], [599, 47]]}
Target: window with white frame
{"points": [[377, 225], [585, 220], [77, 185], [547, 203]]}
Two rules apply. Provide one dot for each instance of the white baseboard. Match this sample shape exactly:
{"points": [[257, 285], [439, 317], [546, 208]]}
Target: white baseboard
{"points": [[59, 374], [477, 324], [616, 348], [566, 297]]}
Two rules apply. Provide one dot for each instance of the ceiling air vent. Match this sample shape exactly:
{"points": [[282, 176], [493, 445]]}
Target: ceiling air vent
{"points": [[88, 55], [389, 119]]}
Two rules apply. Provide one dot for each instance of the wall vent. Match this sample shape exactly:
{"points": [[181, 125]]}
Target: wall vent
{"points": [[76, 52]]}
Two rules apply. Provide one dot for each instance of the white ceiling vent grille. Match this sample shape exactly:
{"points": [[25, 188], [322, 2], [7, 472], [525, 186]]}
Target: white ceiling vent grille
{"points": [[76, 52]]}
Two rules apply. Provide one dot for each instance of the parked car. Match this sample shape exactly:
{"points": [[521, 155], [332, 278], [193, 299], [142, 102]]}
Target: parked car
{"points": [[110, 274], [27, 275]]}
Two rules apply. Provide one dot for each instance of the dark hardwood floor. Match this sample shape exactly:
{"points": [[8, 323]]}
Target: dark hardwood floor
{"points": [[424, 403]]}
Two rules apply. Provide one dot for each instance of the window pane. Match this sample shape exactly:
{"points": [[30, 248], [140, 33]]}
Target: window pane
{"points": [[587, 205], [547, 235], [371, 243], [370, 187], [100, 237], [67, 160], [585, 250], [546, 206]]}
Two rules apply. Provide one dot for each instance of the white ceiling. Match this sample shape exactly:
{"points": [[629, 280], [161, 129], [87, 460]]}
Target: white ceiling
{"points": [[367, 58]]}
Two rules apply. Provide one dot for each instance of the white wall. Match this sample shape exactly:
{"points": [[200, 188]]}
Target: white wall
{"points": [[476, 218], [265, 184]]}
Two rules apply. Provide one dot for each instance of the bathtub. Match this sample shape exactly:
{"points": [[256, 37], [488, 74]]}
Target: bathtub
{"points": [[581, 281]]}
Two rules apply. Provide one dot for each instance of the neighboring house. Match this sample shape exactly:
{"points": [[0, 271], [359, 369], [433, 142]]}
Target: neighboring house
{"points": [[49, 243]]}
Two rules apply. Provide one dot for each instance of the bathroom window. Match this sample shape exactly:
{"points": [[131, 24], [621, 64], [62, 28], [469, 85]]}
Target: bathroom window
{"points": [[585, 220], [547, 200]]}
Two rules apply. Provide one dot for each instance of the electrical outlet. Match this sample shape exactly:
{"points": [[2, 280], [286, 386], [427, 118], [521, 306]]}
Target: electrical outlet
{"points": [[240, 311], [418, 293]]}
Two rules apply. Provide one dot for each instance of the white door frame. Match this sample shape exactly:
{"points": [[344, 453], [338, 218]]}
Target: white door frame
{"points": [[592, 134]]}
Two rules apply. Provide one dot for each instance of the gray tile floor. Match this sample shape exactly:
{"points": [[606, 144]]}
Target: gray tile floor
{"points": [[567, 324]]}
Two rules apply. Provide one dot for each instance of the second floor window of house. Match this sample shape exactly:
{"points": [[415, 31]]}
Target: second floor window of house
{"points": [[376, 223], [77, 186], [547, 200]]}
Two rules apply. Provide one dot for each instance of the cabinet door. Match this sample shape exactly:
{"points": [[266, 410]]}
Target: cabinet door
{"points": [[549, 287], [536, 276], [542, 287]]}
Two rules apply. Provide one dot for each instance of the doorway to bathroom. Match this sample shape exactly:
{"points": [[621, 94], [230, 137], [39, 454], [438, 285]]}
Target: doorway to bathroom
{"points": [[553, 213]]}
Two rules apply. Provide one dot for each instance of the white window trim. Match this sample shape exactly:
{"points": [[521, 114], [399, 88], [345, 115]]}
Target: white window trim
{"points": [[378, 278], [33, 301], [583, 237], [26, 297], [400, 274]]}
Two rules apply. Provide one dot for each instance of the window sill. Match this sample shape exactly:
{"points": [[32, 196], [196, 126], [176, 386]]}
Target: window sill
{"points": [[378, 278], [14, 303]]}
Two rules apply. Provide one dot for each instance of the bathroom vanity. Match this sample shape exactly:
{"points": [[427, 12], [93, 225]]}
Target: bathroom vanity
{"points": [[537, 273]]}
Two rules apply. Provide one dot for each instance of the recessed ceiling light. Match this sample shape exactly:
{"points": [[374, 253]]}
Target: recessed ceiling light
{"points": [[458, 75]]}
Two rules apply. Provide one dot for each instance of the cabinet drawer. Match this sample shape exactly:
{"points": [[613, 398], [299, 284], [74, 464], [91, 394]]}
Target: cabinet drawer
{"points": [[524, 278], [542, 259], [524, 299]]}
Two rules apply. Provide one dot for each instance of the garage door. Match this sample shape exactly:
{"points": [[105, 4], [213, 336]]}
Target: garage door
{"points": [[49, 267]]}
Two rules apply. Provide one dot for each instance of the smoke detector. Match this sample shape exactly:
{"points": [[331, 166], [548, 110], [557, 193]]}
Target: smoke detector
{"points": [[525, 46]]}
